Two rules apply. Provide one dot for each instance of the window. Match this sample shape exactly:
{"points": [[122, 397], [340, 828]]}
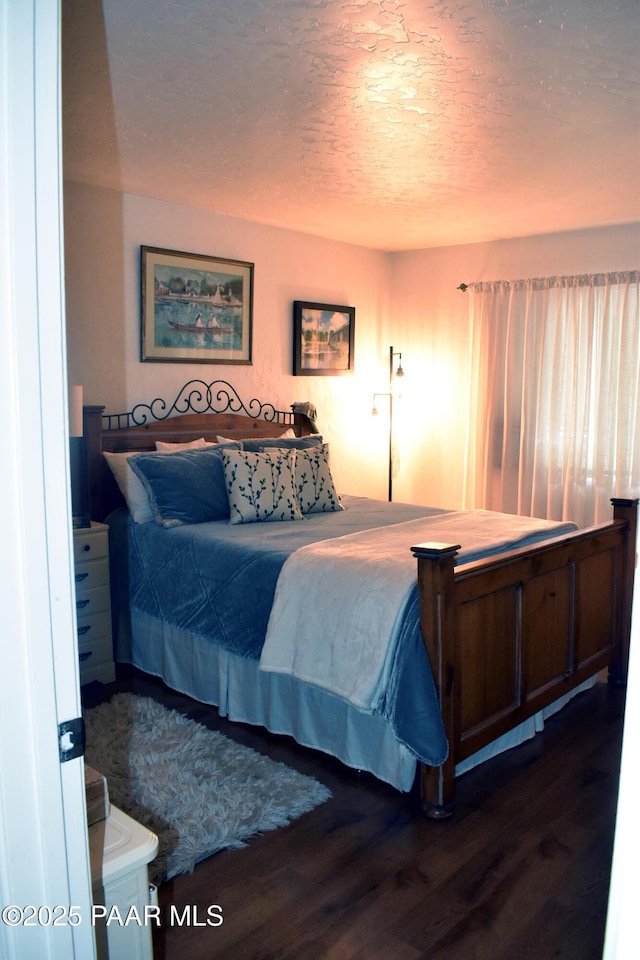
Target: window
{"points": [[554, 427]]}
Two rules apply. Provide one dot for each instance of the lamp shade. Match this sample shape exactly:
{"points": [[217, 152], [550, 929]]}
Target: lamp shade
{"points": [[75, 412]]}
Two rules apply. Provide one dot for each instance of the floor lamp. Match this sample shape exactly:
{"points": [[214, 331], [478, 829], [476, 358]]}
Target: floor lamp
{"points": [[399, 372]]}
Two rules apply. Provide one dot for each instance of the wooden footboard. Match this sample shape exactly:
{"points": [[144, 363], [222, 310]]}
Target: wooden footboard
{"points": [[509, 635]]}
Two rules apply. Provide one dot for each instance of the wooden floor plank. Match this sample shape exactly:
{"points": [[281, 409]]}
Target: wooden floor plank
{"points": [[520, 872]]}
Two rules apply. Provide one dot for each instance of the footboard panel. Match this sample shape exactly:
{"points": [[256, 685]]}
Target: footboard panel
{"points": [[529, 630], [509, 635]]}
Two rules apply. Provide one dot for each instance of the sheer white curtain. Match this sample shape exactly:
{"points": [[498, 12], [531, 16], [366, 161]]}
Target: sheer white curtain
{"points": [[554, 424]]}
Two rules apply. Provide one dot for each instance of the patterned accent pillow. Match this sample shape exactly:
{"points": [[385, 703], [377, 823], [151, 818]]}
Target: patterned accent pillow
{"points": [[261, 486], [314, 483]]}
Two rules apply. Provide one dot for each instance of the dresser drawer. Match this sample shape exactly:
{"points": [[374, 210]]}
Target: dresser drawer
{"points": [[91, 544], [90, 574], [94, 649], [93, 603], [96, 662], [94, 625], [90, 601]]}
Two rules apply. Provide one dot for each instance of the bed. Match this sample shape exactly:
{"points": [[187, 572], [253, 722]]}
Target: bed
{"points": [[494, 625]]}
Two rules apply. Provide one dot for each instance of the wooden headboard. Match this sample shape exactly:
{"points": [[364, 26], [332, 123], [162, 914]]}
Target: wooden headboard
{"points": [[199, 410]]}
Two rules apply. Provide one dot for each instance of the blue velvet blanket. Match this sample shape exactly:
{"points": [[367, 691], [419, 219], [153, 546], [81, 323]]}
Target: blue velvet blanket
{"points": [[218, 580]]}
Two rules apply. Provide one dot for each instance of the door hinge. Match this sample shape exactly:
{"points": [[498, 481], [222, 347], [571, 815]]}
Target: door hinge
{"points": [[71, 739]]}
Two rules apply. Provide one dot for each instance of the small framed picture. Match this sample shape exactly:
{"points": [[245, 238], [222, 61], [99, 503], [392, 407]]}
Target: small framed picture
{"points": [[323, 338], [195, 309]]}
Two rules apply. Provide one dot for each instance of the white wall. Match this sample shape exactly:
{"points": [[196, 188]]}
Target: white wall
{"points": [[104, 232], [408, 300], [430, 324]]}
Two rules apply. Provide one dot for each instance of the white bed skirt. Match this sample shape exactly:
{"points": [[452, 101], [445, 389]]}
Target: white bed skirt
{"points": [[314, 718]]}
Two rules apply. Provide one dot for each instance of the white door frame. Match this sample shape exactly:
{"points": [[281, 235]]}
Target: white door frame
{"points": [[43, 839]]}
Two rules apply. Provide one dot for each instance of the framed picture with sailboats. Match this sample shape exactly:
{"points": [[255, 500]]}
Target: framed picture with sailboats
{"points": [[323, 338], [195, 308]]}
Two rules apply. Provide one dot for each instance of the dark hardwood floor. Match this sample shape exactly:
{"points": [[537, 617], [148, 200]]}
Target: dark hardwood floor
{"points": [[520, 871]]}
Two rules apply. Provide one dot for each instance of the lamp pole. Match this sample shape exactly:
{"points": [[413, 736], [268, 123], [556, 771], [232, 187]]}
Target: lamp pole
{"points": [[391, 354], [399, 373]]}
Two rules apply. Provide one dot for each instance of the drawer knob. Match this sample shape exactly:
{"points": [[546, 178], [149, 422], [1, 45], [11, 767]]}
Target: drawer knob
{"points": [[83, 630], [87, 547], [85, 656], [81, 576], [81, 603]]}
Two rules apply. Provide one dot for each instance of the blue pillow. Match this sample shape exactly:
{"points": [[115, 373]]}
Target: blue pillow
{"points": [[186, 487], [255, 445]]}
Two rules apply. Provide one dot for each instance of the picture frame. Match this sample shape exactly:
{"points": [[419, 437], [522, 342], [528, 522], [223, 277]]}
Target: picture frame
{"points": [[323, 339], [195, 308]]}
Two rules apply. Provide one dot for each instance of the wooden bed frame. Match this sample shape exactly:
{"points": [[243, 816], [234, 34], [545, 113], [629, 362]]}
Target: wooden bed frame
{"points": [[506, 636]]}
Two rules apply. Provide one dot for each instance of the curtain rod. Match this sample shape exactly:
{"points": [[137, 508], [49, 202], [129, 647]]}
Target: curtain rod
{"points": [[581, 279]]}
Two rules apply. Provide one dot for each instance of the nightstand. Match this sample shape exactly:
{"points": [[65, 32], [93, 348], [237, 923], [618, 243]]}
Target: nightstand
{"points": [[93, 603], [120, 849]]}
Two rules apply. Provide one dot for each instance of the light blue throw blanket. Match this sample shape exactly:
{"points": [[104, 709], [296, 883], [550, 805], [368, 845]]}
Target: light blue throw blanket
{"points": [[339, 633]]}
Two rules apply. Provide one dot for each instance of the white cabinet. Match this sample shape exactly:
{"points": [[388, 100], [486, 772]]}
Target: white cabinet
{"points": [[93, 603], [120, 849]]}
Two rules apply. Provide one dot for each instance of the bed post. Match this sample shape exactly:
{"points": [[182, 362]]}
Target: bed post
{"points": [[437, 623], [626, 510], [302, 424]]}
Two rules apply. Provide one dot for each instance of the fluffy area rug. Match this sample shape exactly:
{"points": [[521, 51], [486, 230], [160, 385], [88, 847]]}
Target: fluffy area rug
{"points": [[198, 791]]}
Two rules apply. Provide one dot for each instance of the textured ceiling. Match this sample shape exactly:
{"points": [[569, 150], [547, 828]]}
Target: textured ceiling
{"points": [[390, 124]]}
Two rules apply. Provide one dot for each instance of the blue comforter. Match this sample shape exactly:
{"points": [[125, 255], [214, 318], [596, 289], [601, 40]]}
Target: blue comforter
{"points": [[218, 580]]}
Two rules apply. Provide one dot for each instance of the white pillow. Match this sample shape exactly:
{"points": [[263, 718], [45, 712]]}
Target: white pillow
{"points": [[164, 447], [131, 487], [289, 434], [261, 486]]}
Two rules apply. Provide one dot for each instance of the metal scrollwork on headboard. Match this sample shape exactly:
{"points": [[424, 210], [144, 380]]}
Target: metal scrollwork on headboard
{"points": [[196, 396]]}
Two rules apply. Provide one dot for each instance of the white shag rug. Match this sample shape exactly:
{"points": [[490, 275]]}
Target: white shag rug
{"points": [[198, 791]]}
